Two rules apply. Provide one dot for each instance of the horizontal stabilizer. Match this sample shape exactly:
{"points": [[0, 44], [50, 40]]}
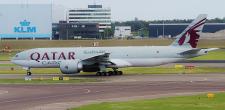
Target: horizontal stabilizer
{"points": [[210, 49], [190, 52], [197, 51]]}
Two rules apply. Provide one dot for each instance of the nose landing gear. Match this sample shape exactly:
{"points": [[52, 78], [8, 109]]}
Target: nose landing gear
{"points": [[28, 72]]}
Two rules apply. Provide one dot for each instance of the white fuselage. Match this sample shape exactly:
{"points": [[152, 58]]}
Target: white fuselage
{"points": [[141, 56]]}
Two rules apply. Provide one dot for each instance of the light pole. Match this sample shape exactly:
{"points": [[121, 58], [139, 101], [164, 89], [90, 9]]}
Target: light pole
{"points": [[163, 29]]}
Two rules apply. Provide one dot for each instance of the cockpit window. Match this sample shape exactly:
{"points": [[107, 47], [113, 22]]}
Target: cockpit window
{"points": [[17, 56]]}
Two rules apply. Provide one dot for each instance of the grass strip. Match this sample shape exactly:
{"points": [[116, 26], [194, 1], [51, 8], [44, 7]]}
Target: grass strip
{"points": [[196, 102]]}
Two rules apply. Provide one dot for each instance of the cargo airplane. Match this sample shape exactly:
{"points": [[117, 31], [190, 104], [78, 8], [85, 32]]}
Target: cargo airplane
{"points": [[97, 59]]}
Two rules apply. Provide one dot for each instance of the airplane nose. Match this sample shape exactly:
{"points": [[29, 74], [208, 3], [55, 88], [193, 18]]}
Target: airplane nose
{"points": [[13, 59]]}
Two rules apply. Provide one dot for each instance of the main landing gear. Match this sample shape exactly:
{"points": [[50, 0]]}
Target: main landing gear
{"points": [[110, 73]]}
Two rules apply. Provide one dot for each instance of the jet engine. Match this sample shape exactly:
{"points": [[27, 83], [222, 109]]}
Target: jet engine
{"points": [[71, 66]]}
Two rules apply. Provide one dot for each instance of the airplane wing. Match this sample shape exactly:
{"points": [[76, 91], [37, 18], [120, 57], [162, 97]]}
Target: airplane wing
{"points": [[101, 59], [104, 59]]}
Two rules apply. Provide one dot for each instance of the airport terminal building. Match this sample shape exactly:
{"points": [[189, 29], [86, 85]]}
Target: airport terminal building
{"points": [[92, 14], [25, 21], [70, 31], [172, 30]]}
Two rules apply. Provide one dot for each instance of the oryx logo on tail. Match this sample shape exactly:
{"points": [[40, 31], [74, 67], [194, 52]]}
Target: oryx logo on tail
{"points": [[190, 37]]}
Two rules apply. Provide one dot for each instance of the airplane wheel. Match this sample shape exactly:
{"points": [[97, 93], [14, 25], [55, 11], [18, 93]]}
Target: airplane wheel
{"points": [[101, 73], [105, 73], [29, 73], [120, 73], [115, 73], [111, 73], [98, 74]]}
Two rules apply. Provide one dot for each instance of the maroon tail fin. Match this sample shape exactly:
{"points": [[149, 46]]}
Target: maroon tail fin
{"points": [[190, 36]]}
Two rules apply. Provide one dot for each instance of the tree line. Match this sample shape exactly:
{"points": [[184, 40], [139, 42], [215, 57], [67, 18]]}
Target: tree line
{"points": [[138, 25], [141, 27]]}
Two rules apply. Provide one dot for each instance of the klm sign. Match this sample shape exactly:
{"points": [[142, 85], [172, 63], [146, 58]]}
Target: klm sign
{"points": [[25, 27]]}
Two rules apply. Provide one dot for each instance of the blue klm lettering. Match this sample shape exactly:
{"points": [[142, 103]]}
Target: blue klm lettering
{"points": [[25, 28]]}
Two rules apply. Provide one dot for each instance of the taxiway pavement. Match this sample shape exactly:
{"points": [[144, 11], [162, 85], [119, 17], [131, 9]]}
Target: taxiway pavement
{"points": [[116, 88]]}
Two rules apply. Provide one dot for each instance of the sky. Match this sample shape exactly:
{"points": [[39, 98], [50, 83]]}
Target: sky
{"points": [[125, 10]]}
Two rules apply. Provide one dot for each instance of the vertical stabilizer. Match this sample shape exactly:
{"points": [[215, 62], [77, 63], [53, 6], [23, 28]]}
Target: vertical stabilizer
{"points": [[190, 36]]}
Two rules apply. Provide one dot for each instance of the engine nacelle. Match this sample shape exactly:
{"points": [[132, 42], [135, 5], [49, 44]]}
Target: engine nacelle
{"points": [[71, 66]]}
